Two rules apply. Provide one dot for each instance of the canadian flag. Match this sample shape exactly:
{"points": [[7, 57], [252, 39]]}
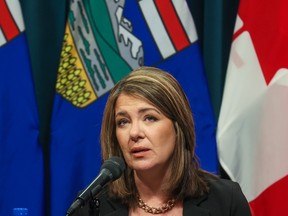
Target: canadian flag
{"points": [[252, 134]]}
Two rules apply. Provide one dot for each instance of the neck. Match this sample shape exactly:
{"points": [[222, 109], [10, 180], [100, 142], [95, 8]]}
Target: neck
{"points": [[149, 183], [150, 186]]}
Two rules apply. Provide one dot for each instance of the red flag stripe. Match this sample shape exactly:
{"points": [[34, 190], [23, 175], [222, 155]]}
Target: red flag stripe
{"points": [[272, 201], [7, 22], [172, 24]]}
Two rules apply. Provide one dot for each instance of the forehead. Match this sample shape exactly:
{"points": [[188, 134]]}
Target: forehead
{"points": [[132, 100]]}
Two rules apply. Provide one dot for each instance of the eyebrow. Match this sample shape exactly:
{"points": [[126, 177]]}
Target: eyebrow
{"points": [[142, 110]]}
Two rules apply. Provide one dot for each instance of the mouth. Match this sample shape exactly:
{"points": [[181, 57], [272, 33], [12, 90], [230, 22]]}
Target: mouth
{"points": [[139, 151]]}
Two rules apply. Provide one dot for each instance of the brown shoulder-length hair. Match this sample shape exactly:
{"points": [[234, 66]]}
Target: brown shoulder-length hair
{"points": [[163, 91]]}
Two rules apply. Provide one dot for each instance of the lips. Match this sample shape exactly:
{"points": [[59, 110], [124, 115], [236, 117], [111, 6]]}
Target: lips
{"points": [[137, 150]]}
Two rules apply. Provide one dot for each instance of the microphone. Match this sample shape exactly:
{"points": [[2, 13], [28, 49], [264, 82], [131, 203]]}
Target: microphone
{"points": [[111, 170]]}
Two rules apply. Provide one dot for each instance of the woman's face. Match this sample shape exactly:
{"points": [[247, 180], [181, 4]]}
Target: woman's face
{"points": [[146, 136]]}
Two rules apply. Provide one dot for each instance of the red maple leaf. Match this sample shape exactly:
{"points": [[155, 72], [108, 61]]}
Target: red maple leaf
{"points": [[267, 23]]}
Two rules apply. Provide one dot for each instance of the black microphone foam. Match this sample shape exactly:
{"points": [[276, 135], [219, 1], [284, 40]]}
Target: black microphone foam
{"points": [[115, 165]]}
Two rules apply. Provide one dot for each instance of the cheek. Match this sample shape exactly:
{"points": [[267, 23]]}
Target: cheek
{"points": [[123, 144], [170, 140], [167, 133], [122, 138]]}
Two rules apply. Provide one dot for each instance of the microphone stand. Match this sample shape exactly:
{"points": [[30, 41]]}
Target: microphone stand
{"points": [[94, 207]]}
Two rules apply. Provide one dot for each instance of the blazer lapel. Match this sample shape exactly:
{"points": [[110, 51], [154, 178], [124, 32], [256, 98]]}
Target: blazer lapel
{"points": [[118, 212], [114, 208], [192, 208]]}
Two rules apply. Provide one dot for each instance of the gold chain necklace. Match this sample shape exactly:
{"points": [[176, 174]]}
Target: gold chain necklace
{"points": [[160, 210]]}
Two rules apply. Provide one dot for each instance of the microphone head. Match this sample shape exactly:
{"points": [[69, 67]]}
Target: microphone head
{"points": [[115, 165]]}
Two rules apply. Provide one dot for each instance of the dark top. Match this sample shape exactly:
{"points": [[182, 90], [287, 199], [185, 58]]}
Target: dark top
{"points": [[224, 199]]}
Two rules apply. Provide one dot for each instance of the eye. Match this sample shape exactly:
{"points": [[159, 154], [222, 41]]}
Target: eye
{"points": [[122, 122], [150, 118]]}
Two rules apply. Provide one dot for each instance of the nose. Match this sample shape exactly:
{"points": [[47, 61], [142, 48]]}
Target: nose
{"points": [[136, 132]]}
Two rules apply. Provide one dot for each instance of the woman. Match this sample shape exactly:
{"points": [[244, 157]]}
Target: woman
{"points": [[148, 122]]}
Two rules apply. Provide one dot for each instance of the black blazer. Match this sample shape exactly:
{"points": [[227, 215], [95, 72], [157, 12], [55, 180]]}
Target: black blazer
{"points": [[224, 199]]}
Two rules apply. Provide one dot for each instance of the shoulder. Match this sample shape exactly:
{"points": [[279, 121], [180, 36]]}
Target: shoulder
{"points": [[223, 187], [225, 197], [228, 194]]}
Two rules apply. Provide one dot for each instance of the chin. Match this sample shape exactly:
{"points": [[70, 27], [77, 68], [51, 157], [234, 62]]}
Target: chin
{"points": [[142, 166]]}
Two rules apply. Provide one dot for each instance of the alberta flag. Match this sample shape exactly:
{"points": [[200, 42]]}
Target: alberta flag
{"points": [[104, 41], [21, 164], [252, 130]]}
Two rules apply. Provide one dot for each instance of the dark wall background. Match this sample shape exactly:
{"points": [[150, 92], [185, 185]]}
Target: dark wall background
{"points": [[45, 25], [214, 20]]}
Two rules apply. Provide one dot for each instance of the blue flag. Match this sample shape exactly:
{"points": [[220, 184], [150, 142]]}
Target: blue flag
{"points": [[104, 41], [21, 162]]}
